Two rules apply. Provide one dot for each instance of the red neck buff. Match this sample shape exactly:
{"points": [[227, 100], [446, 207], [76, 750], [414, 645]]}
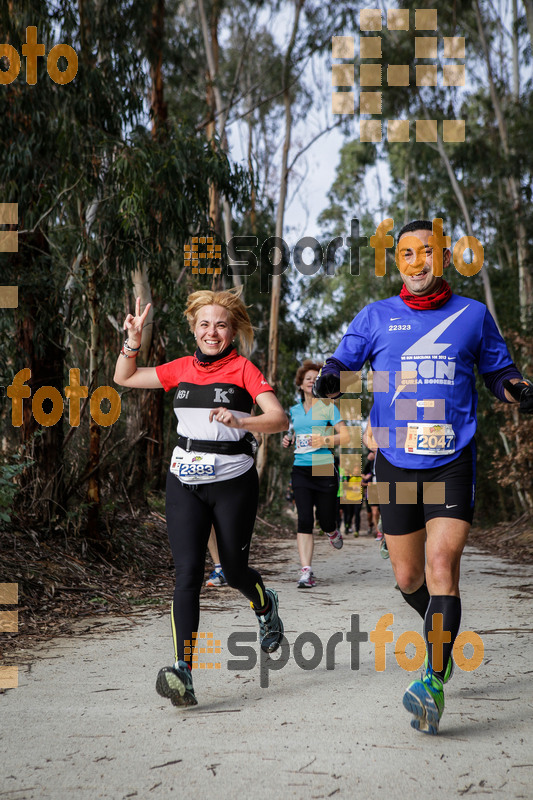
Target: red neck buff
{"points": [[435, 300]]}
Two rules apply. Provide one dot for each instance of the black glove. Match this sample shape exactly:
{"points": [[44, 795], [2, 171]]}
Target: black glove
{"points": [[522, 393], [326, 384]]}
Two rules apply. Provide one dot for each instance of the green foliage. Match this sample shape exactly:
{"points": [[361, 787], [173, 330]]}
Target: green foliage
{"points": [[10, 470]]}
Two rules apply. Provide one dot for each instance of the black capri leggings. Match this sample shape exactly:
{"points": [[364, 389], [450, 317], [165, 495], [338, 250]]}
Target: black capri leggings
{"points": [[231, 507], [312, 491]]}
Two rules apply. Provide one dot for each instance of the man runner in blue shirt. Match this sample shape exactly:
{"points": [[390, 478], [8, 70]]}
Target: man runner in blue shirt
{"points": [[423, 345]]}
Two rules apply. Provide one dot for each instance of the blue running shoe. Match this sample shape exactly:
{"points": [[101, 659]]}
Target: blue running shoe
{"points": [[449, 668], [270, 625], [217, 578], [425, 700], [176, 684]]}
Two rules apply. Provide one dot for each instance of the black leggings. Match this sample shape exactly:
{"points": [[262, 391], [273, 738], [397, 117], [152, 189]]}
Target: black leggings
{"points": [[231, 507], [349, 511], [315, 491]]}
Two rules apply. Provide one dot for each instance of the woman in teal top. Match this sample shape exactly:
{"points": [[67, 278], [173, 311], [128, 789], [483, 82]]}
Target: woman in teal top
{"points": [[316, 428]]}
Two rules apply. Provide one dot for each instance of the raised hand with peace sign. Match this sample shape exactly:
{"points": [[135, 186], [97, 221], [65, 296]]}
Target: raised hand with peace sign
{"points": [[133, 325], [127, 373]]}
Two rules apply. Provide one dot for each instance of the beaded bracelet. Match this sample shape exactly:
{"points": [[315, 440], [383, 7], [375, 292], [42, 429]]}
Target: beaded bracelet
{"points": [[134, 354]]}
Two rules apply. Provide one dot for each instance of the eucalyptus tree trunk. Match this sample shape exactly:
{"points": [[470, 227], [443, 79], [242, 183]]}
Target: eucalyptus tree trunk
{"points": [[273, 330], [145, 407], [42, 352], [487, 288], [525, 280], [93, 488], [210, 43]]}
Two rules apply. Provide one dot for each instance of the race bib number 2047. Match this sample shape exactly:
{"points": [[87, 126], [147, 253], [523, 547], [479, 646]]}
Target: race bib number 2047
{"points": [[430, 439]]}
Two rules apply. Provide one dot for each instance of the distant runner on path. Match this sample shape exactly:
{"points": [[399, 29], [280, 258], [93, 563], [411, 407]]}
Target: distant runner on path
{"points": [[424, 344], [212, 480], [312, 442]]}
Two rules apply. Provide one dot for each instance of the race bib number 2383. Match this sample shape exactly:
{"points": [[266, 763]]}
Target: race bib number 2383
{"points": [[194, 466]]}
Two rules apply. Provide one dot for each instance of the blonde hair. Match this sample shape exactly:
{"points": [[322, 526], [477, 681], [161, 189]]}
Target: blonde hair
{"points": [[237, 314]]}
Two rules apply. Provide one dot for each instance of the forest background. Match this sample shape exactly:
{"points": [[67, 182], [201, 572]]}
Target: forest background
{"points": [[192, 119]]}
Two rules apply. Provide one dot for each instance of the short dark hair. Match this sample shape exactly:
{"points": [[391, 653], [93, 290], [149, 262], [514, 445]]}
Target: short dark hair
{"points": [[417, 225], [308, 365], [301, 372]]}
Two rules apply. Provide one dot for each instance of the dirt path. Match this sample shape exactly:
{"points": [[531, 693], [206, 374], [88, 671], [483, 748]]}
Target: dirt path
{"points": [[86, 722]]}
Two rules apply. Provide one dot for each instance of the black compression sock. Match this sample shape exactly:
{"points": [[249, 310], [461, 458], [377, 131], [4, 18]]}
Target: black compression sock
{"points": [[450, 608], [418, 600], [265, 610]]}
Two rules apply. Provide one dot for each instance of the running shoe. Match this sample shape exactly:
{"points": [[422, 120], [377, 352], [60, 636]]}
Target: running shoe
{"points": [[176, 684], [270, 626], [335, 540], [449, 668], [306, 579], [383, 549], [356, 533], [217, 578], [425, 700]]}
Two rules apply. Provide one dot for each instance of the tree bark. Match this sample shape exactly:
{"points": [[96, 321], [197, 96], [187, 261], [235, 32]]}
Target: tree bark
{"points": [[273, 340], [489, 299], [145, 414], [42, 352], [525, 280], [528, 5], [210, 42], [93, 489], [273, 330]]}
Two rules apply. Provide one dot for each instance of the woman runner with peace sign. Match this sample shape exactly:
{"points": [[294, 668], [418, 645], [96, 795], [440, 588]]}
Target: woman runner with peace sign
{"points": [[212, 479]]}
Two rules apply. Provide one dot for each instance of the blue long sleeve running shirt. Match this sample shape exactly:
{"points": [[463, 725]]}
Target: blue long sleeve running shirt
{"points": [[425, 400]]}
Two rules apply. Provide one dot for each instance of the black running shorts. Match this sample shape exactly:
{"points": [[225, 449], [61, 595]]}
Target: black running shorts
{"points": [[315, 491], [406, 510]]}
